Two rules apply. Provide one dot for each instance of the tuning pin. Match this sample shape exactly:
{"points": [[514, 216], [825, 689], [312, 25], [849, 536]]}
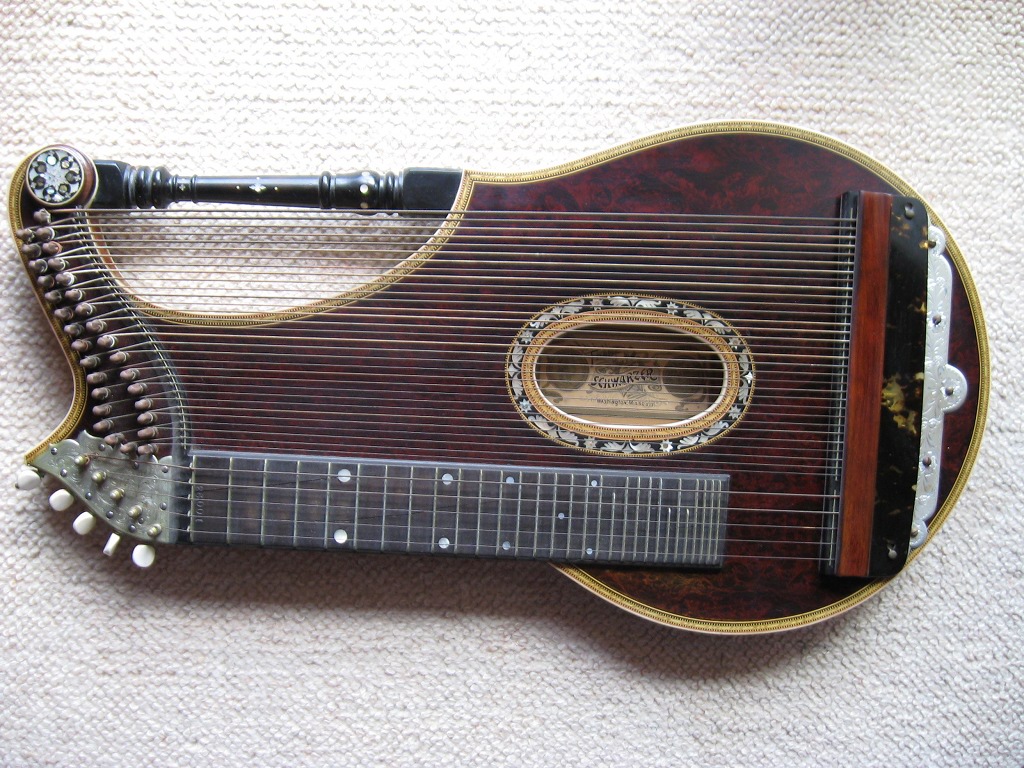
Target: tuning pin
{"points": [[84, 523], [143, 555], [27, 480], [61, 500], [42, 216], [111, 545]]}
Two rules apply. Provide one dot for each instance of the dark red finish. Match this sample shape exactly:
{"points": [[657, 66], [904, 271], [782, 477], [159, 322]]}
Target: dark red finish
{"points": [[368, 354]]}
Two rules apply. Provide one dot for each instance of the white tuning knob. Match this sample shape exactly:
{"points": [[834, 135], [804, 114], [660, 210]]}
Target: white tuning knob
{"points": [[143, 555], [61, 500], [84, 523], [111, 545], [28, 479]]}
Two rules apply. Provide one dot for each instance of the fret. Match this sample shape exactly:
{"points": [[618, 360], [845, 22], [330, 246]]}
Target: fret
{"points": [[280, 497], [421, 509], [563, 515], [650, 537], [519, 512], [341, 480], [488, 528], [456, 539], [539, 480], [433, 512], [678, 516], [395, 514], [580, 496], [311, 500], [371, 498], [508, 509], [210, 497], [246, 479], [445, 519], [699, 536], [565, 502], [473, 480]]}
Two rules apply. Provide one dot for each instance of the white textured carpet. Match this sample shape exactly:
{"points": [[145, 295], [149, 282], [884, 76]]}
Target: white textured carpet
{"points": [[252, 658]]}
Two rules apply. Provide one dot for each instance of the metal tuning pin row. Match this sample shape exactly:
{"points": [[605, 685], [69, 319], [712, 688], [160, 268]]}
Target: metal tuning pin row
{"points": [[61, 500]]}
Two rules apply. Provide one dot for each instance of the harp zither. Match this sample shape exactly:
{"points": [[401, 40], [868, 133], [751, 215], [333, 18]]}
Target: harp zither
{"points": [[716, 405]]}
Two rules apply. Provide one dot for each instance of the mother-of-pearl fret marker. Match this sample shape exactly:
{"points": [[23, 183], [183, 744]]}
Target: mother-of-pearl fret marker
{"points": [[443, 542], [344, 475], [341, 535], [447, 479], [510, 480]]}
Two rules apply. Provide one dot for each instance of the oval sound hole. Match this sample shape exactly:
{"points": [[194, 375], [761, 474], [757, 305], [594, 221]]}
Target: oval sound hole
{"points": [[630, 375]]}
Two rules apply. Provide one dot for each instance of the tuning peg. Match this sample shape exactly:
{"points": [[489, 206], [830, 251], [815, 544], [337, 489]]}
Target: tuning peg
{"points": [[84, 523], [111, 545], [143, 555], [61, 500], [28, 479]]}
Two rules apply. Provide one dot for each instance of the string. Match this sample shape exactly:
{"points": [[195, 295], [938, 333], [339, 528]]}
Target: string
{"points": [[306, 351], [409, 499]]}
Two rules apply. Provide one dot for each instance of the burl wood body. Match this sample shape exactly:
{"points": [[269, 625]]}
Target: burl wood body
{"points": [[444, 400]]}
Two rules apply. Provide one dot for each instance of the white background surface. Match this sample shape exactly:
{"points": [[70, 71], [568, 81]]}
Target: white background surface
{"points": [[255, 658]]}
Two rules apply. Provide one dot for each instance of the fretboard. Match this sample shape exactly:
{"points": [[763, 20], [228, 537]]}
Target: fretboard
{"points": [[562, 515]]}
